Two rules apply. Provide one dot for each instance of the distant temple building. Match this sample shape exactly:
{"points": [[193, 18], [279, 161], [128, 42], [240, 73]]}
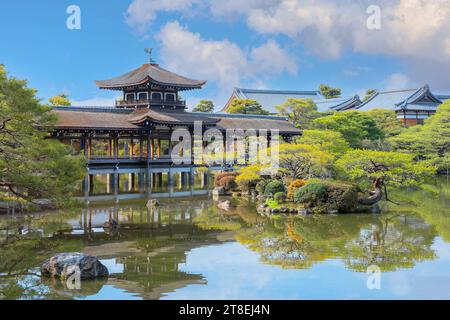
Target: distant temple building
{"points": [[269, 99], [412, 106], [128, 146]]}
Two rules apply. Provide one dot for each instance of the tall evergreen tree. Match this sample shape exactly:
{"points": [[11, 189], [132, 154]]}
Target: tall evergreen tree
{"points": [[31, 165]]}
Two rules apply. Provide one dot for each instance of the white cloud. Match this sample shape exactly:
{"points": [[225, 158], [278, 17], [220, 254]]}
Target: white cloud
{"points": [[221, 62], [415, 31], [397, 81], [141, 13], [270, 58]]}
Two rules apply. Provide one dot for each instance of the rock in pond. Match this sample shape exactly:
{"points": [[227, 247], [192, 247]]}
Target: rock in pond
{"points": [[284, 210], [64, 265], [305, 212]]}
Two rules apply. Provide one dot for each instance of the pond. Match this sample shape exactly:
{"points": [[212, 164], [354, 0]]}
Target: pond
{"points": [[190, 249]]}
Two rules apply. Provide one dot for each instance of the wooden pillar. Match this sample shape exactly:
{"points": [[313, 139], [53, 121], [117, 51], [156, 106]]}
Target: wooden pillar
{"points": [[132, 148], [141, 148], [116, 147], [158, 148], [91, 183], [149, 148], [89, 147], [110, 148]]}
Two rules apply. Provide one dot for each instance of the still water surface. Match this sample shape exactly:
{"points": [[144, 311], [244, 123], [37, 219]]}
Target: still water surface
{"points": [[189, 249]]}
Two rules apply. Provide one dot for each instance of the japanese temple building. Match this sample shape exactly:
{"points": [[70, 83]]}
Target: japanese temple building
{"points": [[128, 146], [412, 106]]}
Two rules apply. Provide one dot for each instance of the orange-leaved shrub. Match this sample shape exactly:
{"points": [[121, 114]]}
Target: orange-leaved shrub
{"points": [[298, 183]]}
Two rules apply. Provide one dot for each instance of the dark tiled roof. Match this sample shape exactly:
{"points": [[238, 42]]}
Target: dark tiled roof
{"points": [[76, 118], [170, 117], [89, 118], [150, 73]]}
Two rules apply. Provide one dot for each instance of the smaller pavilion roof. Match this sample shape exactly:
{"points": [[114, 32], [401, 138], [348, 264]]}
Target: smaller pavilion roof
{"points": [[338, 104], [153, 74]]}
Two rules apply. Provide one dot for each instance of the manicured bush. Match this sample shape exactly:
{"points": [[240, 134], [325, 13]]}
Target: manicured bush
{"points": [[279, 197], [273, 187], [261, 186], [311, 194], [294, 185], [328, 196]]}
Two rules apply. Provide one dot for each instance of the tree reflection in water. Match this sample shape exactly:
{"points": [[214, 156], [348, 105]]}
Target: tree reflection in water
{"points": [[149, 249]]}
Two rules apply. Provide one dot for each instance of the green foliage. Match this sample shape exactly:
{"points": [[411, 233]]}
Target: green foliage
{"points": [[327, 140], [369, 94], [204, 106], [400, 169], [248, 177], [301, 112], [301, 161], [261, 187], [329, 92], [246, 106], [279, 197], [430, 141], [354, 126], [60, 100], [274, 187], [311, 193], [32, 166], [273, 204], [387, 121], [328, 196]]}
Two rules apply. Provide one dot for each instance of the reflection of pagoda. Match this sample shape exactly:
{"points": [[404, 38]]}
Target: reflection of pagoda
{"points": [[157, 273]]}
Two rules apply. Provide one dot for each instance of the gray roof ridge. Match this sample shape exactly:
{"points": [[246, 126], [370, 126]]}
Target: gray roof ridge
{"points": [[280, 91], [92, 109], [248, 116]]}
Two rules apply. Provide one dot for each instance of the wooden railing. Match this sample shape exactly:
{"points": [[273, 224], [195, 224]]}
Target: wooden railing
{"points": [[146, 102]]}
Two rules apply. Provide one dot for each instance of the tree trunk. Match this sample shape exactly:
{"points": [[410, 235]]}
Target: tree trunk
{"points": [[375, 196]]}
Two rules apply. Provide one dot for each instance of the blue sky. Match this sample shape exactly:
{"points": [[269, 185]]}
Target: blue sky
{"points": [[275, 44]]}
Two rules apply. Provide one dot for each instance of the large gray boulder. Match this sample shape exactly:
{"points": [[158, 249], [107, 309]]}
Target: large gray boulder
{"points": [[64, 265]]}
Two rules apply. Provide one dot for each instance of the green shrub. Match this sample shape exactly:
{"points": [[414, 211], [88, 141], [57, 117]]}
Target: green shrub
{"points": [[261, 186], [311, 193], [273, 187], [279, 197], [328, 196]]}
